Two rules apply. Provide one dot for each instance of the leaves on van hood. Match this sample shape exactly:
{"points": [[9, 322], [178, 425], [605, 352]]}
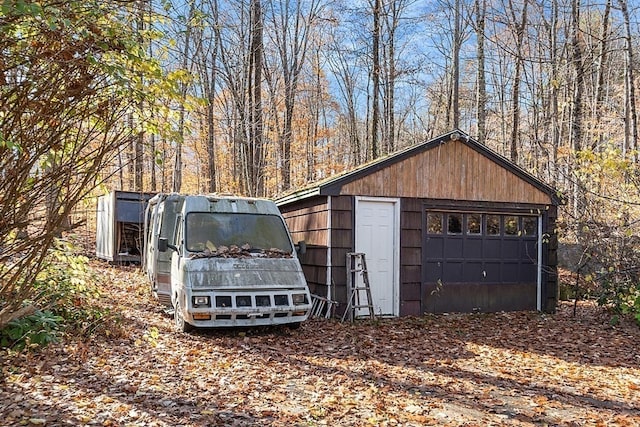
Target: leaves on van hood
{"points": [[222, 251], [244, 251], [277, 253]]}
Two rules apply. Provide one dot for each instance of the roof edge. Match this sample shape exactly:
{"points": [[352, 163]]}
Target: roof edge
{"points": [[298, 195]]}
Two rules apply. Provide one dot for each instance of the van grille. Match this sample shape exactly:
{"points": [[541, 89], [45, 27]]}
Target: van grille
{"points": [[281, 299], [263, 301], [223, 301]]}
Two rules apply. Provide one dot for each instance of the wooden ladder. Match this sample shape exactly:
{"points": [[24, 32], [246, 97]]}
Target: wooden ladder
{"points": [[357, 264]]}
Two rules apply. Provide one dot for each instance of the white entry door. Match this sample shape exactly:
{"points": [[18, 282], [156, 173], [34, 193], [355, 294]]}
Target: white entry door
{"points": [[378, 237]]}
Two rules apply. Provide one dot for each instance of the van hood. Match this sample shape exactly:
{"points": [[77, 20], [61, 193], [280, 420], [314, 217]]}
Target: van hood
{"points": [[259, 272]]}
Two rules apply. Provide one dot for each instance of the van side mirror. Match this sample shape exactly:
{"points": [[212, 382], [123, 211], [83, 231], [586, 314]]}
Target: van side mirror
{"points": [[164, 246], [301, 247]]}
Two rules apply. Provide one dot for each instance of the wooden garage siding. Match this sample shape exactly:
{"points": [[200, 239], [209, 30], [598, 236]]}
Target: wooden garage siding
{"points": [[452, 170], [308, 221], [410, 257], [342, 242], [314, 213]]}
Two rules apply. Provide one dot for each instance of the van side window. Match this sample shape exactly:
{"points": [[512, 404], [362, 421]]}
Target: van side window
{"points": [[177, 233]]}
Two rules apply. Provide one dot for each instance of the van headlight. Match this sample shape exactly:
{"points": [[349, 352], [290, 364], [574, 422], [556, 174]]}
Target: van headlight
{"points": [[299, 299], [201, 301]]}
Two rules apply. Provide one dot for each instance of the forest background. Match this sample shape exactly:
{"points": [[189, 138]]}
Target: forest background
{"points": [[259, 97]]}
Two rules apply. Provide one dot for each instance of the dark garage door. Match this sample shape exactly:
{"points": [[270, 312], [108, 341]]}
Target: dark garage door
{"points": [[476, 261]]}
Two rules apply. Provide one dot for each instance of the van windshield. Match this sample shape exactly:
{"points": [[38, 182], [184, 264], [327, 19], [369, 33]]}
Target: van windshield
{"points": [[233, 234]]}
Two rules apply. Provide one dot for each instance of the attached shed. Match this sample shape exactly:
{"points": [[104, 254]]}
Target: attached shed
{"points": [[446, 226]]}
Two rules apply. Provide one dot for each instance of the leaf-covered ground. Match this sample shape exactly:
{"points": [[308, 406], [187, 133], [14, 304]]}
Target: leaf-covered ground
{"points": [[476, 370]]}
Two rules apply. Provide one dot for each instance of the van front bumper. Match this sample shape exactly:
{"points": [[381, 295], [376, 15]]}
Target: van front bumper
{"points": [[248, 308]]}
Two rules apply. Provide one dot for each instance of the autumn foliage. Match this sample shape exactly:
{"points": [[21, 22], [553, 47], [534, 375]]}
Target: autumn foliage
{"points": [[70, 75], [482, 369]]}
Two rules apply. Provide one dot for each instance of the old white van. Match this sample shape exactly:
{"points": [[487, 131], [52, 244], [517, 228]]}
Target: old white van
{"points": [[223, 261]]}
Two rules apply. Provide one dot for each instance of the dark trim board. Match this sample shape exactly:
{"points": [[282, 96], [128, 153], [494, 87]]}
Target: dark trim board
{"points": [[470, 206]]}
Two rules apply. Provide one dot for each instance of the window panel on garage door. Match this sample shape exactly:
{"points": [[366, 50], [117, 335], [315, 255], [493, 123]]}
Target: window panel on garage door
{"points": [[480, 247]]}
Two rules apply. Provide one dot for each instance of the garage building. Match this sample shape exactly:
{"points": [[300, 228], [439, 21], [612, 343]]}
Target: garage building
{"points": [[446, 226]]}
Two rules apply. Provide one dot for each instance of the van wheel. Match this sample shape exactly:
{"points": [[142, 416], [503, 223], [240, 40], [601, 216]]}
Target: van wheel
{"points": [[181, 324]]}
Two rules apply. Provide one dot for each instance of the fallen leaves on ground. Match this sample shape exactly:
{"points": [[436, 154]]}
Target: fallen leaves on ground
{"points": [[512, 369]]}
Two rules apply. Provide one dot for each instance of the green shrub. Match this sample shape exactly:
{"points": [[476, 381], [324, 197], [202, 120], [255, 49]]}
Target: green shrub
{"points": [[623, 296], [67, 284], [65, 300], [631, 304], [36, 330]]}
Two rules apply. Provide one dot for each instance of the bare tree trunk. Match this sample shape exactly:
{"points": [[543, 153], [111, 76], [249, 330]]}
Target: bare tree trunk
{"points": [[481, 106], [139, 163], [209, 90], [208, 53], [391, 81], [578, 89], [211, 144], [315, 106], [139, 135], [131, 155], [177, 171], [164, 185], [152, 171], [177, 167], [519, 60], [121, 167], [152, 136], [631, 115], [393, 14], [602, 61], [256, 149], [354, 133], [553, 116], [375, 79], [577, 59], [455, 72]]}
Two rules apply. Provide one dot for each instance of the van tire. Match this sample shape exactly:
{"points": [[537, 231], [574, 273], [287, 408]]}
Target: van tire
{"points": [[178, 318]]}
